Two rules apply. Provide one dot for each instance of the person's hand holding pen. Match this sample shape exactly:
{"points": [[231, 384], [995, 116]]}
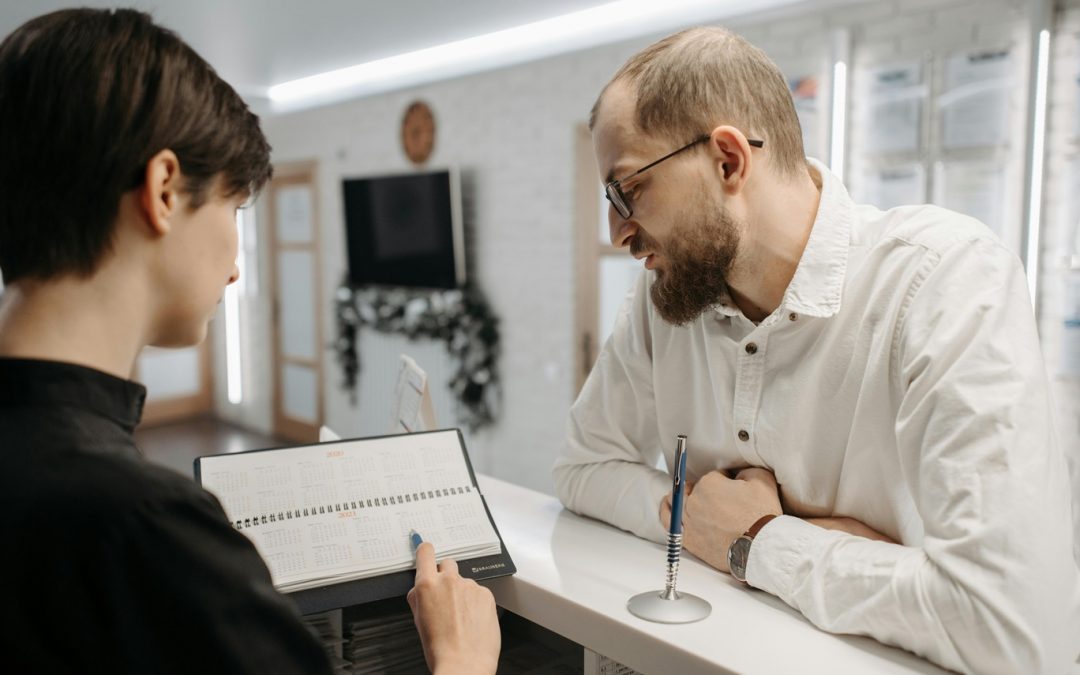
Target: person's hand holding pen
{"points": [[455, 617]]}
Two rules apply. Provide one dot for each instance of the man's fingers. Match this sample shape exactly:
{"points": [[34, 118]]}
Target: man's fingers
{"points": [[448, 567], [714, 476], [756, 475], [425, 561]]}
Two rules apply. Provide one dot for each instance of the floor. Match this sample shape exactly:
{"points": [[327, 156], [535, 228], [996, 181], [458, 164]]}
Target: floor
{"points": [[177, 445]]}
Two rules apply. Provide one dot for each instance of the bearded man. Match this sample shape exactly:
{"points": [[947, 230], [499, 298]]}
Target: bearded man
{"points": [[862, 390]]}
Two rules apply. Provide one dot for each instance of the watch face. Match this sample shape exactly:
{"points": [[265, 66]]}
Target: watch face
{"points": [[737, 556]]}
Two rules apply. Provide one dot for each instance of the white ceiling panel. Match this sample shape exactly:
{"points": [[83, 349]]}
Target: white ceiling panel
{"points": [[255, 44]]}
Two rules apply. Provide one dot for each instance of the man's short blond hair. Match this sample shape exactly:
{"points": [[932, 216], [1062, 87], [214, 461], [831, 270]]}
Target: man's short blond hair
{"points": [[690, 82]]}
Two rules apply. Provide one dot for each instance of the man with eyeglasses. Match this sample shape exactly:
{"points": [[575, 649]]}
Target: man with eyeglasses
{"points": [[867, 410]]}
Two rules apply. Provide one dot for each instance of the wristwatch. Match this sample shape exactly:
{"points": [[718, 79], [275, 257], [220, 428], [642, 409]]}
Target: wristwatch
{"points": [[739, 551]]}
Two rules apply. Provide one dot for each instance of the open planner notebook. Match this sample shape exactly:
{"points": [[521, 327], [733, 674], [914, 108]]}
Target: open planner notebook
{"points": [[334, 512]]}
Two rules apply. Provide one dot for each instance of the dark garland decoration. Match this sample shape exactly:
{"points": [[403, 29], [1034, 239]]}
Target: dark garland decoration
{"points": [[461, 318]]}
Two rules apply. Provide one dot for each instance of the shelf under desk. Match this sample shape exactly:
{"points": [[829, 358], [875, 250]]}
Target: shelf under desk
{"points": [[575, 575]]}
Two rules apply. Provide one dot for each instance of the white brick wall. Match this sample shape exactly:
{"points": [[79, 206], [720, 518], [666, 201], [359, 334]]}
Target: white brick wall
{"points": [[513, 129]]}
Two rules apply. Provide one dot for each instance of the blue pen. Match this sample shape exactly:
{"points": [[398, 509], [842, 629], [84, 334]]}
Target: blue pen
{"points": [[678, 487], [668, 605], [415, 540], [678, 491]]}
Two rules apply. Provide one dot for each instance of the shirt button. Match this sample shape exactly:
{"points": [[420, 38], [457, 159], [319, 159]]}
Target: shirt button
{"points": [[743, 435], [793, 317], [751, 348]]}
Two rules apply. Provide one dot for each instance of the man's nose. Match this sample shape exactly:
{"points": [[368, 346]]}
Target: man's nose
{"points": [[620, 229], [235, 274]]}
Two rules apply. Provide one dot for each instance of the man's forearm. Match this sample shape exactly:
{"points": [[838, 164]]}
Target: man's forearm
{"points": [[624, 494], [851, 526], [940, 600]]}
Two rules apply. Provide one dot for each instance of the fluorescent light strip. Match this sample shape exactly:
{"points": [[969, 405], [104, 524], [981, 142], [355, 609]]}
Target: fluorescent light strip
{"points": [[233, 366], [602, 24], [1037, 146], [839, 122]]}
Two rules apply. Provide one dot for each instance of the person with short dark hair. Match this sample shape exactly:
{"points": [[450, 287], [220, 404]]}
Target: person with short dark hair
{"points": [[123, 160]]}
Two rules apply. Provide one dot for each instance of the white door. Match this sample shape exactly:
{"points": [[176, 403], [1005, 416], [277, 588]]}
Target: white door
{"points": [[297, 334], [177, 383], [605, 274]]}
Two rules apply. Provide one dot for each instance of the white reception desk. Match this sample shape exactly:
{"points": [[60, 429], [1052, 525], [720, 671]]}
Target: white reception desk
{"points": [[575, 575]]}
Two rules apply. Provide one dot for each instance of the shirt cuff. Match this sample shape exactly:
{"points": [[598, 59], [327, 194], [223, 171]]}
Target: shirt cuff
{"points": [[777, 551]]}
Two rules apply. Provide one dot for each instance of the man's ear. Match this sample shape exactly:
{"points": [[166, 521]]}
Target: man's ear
{"points": [[732, 155], [160, 193]]}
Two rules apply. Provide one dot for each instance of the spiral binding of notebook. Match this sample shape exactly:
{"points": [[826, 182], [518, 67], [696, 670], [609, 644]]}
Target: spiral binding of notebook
{"points": [[345, 506]]}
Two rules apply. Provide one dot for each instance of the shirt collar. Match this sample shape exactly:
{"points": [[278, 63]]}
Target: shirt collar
{"points": [[818, 284], [52, 383], [726, 307]]}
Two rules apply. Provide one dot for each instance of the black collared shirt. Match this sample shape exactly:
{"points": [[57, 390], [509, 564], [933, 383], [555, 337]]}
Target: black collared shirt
{"points": [[112, 564]]}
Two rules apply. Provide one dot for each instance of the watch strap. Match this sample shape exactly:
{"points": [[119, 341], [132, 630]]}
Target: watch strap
{"points": [[760, 523]]}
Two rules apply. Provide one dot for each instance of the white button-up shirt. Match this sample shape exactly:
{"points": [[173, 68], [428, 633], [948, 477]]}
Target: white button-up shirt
{"points": [[900, 383]]}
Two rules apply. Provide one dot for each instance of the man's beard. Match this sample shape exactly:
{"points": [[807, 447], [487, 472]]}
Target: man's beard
{"points": [[697, 257]]}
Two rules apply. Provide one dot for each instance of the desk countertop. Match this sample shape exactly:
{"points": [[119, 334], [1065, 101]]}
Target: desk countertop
{"points": [[576, 574]]}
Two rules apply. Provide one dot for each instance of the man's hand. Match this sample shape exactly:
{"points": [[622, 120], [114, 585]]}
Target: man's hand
{"points": [[720, 509], [455, 617]]}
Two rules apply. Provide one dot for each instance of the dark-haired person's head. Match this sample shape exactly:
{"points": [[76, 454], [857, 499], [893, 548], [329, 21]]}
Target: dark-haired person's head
{"points": [[115, 136]]}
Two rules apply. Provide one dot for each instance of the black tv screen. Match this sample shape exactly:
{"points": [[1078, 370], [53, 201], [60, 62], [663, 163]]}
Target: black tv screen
{"points": [[405, 230]]}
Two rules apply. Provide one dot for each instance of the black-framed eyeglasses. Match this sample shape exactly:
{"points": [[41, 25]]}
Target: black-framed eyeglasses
{"points": [[613, 190]]}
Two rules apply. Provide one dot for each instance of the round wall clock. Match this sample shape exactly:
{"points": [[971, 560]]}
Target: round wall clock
{"points": [[418, 132]]}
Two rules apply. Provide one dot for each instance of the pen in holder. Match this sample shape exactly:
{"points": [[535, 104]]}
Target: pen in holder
{"points": [[668, 605]]}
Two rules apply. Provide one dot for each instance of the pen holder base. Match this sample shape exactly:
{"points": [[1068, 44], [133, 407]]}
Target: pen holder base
{"points": [[656, 607]]}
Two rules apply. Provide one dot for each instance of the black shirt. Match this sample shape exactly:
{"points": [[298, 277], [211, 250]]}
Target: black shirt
{"points": [[111, 564]]}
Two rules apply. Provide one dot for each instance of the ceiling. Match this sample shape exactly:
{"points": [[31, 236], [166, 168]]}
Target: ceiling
{"points": [[257, 43]]}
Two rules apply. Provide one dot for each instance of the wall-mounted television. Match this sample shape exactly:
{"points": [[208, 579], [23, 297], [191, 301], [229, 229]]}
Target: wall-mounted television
{"points": [[405, 230]]}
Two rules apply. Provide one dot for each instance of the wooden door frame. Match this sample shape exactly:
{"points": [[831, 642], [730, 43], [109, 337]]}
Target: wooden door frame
{"points": [[586, 207], [589, 250], [296, 173]]}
